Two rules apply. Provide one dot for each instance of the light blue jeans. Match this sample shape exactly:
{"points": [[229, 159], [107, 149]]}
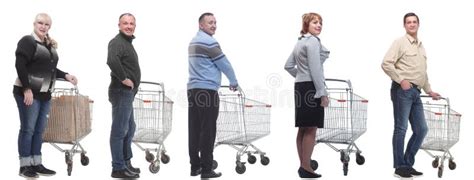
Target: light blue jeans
{"points": [[123, 127], [33, 121], [407, 107]]}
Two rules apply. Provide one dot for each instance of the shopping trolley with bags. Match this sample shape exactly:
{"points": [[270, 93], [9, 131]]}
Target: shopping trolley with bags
{"points": [[152, 114], [242, 121], [443, 131], [345, 120], [69, 121]]}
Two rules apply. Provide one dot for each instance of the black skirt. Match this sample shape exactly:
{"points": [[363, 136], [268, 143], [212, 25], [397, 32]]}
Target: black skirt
{"points": [[308, 110]]}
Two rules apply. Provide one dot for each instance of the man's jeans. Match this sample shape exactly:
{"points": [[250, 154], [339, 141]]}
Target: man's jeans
{"points": [[407, 106], [123, 127], [33, 121]]}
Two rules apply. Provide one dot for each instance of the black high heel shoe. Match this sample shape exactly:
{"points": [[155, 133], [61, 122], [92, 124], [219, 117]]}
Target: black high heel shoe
{"points": [[305, 174]]}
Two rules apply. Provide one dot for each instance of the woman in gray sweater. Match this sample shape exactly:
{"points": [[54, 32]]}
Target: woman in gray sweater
{"points": [[306, 65]]}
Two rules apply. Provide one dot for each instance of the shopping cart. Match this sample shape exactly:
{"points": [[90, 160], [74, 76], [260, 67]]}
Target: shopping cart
{"points": [[443, 131], [152, 114], [69, 121], [242, 121], [345, 120]]}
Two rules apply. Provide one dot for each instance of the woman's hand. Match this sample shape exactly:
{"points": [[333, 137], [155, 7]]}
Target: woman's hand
{"points": [[28, 97], [324, 101], [71, 78]]}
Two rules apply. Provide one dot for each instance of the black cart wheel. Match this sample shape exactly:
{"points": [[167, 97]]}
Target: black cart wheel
{"points": [[452, 164], [360, 160], [440, 171], [84, 159], [251, 159], [214, 164], [149, 156], [435, 162], [69, 168], [265, 160], [240, 168], [154, 168], [314, 164], [165, 159], [345, 167]]}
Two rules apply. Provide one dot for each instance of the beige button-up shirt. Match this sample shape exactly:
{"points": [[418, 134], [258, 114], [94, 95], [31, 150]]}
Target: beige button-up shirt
{"points": [[406, 60]]}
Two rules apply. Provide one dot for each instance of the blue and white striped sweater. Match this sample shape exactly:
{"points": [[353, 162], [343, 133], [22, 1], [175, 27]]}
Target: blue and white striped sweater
{"points": [[206, 62]]}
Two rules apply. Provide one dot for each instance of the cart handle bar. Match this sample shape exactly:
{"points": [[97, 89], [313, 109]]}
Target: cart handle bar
{"points": [[341, 80], [428, 96]]}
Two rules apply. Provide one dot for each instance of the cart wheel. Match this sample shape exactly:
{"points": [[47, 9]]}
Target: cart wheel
{"points": [[149, 156], [440, 171], [435, 162], [165, 159], [345, 157], [251, 159], [345, 168], [214, 164], [67, 157], [314, 164], [360, 160], [154, 168], [264, 160], [69, 167], [452, 164], [240, 168], [84, 159]]}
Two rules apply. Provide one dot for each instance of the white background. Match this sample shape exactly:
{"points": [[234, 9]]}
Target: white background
{"points": [[257, 37]]}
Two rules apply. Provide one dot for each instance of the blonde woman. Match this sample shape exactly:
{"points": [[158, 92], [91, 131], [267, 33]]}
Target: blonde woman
{"points": [[36, 60]]}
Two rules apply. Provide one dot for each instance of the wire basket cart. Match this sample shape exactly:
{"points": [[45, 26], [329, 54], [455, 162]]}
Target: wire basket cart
{"points": [[69, 121], [443, 131], [345, 120], [242, 121], [152, 114]]}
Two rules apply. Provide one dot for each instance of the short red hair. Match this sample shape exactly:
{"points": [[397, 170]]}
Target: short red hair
{"points": [[307, 18]]}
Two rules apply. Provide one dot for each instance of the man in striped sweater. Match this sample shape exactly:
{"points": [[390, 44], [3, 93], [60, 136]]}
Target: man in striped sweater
{"points": [[206, 62]]}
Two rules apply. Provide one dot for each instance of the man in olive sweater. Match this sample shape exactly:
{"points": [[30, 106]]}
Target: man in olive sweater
{"points": [[125, 74]]}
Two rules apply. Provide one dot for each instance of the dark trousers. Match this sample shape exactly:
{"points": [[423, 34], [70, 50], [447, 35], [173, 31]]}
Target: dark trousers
{"points": [[203, 110]]}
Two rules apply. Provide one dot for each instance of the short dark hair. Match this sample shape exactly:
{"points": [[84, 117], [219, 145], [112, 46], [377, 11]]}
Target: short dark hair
{"points": [[204, 15], [409, 15], [126, 14]]}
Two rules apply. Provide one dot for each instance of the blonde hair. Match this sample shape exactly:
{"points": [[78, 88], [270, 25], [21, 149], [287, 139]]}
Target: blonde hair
{"points": [[49, 41], [307, 18]]}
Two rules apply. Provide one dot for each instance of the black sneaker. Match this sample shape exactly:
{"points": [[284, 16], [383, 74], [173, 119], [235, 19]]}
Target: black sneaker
{"points": [[131, 168], [41, 170], [402, 173], [211, 174], [28, 172], [414, 172], [124, 173], [195, 172]]}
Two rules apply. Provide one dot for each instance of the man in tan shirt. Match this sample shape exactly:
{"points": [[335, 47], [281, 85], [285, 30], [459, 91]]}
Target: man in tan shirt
{"points": [[405, 64]]}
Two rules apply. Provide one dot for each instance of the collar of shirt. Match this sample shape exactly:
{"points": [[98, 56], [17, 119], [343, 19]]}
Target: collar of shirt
{"points": [[128, 38], [36, 37], [413, 40], [307, 35]]}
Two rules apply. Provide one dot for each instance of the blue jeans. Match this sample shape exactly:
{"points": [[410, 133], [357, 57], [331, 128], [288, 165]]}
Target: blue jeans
{"points": [[33, 121], [123, 127], [407, 107]]}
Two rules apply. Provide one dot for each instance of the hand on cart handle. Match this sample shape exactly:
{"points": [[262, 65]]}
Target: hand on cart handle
{"points": [[234, 87], [435, 95], [71, 78]]}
